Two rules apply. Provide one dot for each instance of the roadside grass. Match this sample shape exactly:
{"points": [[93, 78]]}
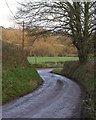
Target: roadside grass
{"points": [[84, 75], [18, 77], [57, 70], [35, 60]]}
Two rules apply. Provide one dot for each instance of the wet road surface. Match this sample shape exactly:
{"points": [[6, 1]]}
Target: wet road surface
{"points": [[58, 97]]}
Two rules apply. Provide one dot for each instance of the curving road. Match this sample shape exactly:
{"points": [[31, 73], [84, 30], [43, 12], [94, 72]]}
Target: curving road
{"points": [[58, 97]]}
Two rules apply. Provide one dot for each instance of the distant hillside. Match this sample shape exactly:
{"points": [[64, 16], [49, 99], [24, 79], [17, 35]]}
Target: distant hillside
{"points": [[47, 45]]}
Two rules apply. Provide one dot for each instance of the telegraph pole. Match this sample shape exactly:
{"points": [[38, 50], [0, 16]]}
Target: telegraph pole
{"points": [[22, 45], [23, 37]]}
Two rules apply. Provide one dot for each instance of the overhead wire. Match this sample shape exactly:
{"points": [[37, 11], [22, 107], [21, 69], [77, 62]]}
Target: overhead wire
{"points": [[15, 19]]}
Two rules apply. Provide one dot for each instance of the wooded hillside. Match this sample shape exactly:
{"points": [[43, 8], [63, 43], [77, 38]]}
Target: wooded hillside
{"points": [[47, 45]]}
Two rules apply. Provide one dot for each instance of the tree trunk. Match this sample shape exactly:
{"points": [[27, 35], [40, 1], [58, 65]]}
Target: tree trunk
{"points": [[83, 56]]}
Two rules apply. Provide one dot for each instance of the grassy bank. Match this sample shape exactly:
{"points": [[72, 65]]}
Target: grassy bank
{"points": [[84, 75], [18, 82], [18, 77]]}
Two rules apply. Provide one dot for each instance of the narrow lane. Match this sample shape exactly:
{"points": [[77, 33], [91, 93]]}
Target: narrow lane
{"points": [[58, 97]]}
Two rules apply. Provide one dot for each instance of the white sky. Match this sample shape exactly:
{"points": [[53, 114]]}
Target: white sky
{"points": [[6, 18]]}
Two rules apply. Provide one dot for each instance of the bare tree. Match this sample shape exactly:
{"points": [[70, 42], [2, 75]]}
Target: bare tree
{"points": [[76, 18]]}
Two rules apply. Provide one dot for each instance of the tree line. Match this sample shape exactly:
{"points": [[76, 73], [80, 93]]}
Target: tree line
{"points": [[49, 45]]}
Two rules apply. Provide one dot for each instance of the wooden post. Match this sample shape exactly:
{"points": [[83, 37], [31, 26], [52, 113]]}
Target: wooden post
{"points": [[22, 46], [35, 59], [23, 37]]}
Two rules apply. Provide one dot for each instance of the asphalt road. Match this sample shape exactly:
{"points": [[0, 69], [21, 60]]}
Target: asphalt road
{"points": [[58, 97]]}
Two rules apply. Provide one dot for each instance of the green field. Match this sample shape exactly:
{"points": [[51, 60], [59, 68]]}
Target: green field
{"points": [[50, 59]]}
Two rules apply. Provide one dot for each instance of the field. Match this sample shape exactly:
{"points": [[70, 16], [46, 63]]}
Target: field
{"points": [[33, 60]]}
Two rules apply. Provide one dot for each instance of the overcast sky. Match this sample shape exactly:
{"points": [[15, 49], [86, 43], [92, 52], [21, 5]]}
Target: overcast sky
{"points": [[5, 14], [6, 17]]}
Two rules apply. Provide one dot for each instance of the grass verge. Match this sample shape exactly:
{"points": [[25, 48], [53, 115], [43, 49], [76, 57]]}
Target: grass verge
{"points": [[18, 82], [83, 75]]}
